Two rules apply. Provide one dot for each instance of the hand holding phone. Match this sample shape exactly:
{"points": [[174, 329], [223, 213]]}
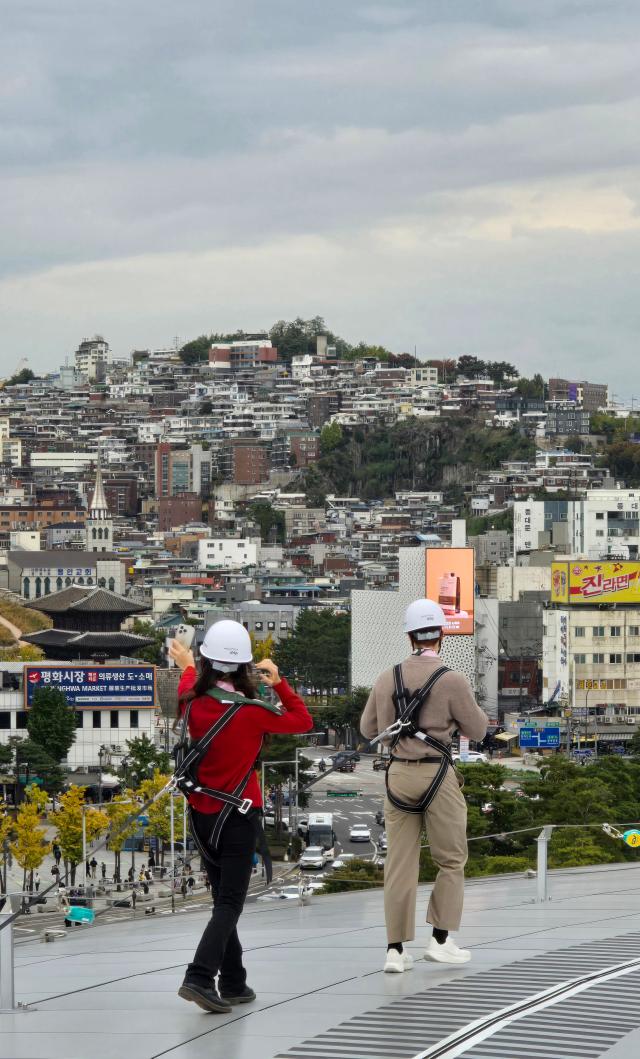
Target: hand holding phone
{"points": [[181, 655], [268, 671]]}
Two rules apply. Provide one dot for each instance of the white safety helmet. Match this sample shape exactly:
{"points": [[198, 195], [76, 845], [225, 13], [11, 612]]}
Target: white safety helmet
{"points": [[227, 644], [424, 614]]}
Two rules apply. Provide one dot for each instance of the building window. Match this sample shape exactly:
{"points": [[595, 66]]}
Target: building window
{"points": [[38, 587], [258, 626], [283, 626], [599, 533], [615, 660], [599, 514], [21, 718], [598, 630], [112, 584], [58, 584], [5, 719], [580, 660], [97, 718], [633, 657], [79, 719], [271, 625], [598, 660], [26, 587], [634, 630], [616, 630], [113, 718], [133, 718], [579, 630]]}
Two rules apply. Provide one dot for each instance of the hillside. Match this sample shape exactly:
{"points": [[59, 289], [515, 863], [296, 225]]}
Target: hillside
{"points": [[374, 461]]}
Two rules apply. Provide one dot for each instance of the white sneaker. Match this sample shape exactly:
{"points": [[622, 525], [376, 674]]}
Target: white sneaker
{"points": [[448, 952], [397, 962]]}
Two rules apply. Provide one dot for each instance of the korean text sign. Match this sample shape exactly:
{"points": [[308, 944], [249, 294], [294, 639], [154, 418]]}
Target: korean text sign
{"points": [[90, 687], [595, 582]]}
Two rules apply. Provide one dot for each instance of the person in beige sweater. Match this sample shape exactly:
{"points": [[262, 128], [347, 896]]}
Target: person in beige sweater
{"points": [[414, 766]]}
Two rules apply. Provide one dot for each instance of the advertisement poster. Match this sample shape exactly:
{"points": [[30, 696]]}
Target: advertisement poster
{"points": [[581, 581], [90, 687], [450, 581]]}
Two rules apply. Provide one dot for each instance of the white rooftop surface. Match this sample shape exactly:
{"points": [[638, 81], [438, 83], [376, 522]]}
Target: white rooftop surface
{"points": [[111, 991]]}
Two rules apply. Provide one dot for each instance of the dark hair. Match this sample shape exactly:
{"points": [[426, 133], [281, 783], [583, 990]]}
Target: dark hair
{"points": [[242, 680]]}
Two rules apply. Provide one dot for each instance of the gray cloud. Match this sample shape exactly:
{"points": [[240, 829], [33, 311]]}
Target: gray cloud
{"points": [[439, 143]]}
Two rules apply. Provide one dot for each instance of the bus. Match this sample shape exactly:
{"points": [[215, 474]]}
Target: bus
{"points": [[320, 832]]}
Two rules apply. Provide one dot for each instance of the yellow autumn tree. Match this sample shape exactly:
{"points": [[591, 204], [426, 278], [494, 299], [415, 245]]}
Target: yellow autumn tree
{"points": [[30, 845], [7, 828], [120, 810], [261, 648], [68, 820], [160, 812]]}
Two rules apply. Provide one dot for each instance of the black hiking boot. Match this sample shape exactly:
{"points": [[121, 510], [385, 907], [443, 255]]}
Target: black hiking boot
{"points": [[204, 996], [245, 997]]}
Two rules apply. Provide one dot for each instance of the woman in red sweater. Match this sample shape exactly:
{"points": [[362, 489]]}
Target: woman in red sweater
{"points": [[228, 853]]}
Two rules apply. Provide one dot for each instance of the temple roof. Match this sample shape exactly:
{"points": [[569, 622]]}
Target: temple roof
{"points": [[89, 640], [87, 599]]}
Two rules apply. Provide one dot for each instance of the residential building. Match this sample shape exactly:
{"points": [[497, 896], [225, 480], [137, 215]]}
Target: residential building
{"points": [[243, 355], [590, 396], [92, 356], [566, 417], [228, 553]]}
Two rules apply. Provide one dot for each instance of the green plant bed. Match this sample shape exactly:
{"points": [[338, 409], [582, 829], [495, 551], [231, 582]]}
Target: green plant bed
{"points": [[360, 875]]}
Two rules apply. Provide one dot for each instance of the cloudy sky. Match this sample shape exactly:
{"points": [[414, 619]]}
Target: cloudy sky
{"points": [[454, 175]]}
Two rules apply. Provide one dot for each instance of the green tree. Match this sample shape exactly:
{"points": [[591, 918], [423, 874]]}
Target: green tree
{"points": [[330, 437], [500, 370], [270, 521], [316, 654], [364, 350], [33, 760], [52, 722], [343, 714], [143, 758], [160, 812], [153, 652], [471, 367], [20, 378], [534, 387], [294, 338]]}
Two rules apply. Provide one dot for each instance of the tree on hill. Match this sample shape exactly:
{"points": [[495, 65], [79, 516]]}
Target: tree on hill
{"points": [[330, 437], [294, 338], [20, 378], [52, 723], [534, 387], [270, 521], [471, 367]]}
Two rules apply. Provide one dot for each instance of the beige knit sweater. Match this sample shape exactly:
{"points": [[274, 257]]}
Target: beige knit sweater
{"points": [[450, 706]]}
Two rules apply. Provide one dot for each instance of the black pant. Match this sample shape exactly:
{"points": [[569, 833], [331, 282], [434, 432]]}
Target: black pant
{"points": [[229, 871]]}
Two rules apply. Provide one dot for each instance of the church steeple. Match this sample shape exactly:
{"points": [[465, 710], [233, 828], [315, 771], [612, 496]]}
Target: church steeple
{"points": [[98, 525], [98, 508]]}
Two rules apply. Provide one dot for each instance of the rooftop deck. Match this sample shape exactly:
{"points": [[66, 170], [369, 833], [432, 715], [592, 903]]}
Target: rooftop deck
{"points": [[110, 991]]}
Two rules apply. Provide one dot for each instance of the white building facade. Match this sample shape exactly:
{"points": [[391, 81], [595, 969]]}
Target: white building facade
{"points": [[228, 553]]}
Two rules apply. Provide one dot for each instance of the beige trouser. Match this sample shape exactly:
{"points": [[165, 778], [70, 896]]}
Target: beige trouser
{"points": [[445, 822]]}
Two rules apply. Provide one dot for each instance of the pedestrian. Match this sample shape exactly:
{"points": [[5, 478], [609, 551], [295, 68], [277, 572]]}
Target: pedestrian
{"points": [[93, 864], [423, 787], [103, 870], [87, 868], [36, 881], [152, 859], [130, 874], [226, 838], [55, 871], [57, 853]]}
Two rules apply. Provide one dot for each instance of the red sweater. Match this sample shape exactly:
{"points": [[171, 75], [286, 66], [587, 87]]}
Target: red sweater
{"points": [[236, 747]]}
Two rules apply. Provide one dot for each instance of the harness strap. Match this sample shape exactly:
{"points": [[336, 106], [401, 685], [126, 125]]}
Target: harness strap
{"points": [[406, 713], [199, 749]]}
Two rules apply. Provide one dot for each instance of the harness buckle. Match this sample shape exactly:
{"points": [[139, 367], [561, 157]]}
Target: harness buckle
{"points": [[246, 805]]}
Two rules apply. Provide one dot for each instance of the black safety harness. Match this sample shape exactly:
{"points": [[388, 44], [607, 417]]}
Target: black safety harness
{"points": [[188, 757], [407, 706]]}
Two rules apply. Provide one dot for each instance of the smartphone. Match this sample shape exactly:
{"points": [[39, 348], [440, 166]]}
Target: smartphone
{"points": [[184, 634]]}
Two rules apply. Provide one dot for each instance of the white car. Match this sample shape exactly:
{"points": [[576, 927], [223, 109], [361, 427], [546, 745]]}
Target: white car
{"points": [[314, 857], [270, 821], [287, 893], [473, 758], [360, 833], [342, 860]]}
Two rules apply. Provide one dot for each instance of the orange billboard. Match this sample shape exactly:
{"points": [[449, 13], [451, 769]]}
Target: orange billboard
{"points": [[450, 581]]}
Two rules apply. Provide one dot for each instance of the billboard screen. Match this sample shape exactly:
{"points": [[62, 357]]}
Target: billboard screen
{"points": [[450, 580], [90, 687], [595, 582]]}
